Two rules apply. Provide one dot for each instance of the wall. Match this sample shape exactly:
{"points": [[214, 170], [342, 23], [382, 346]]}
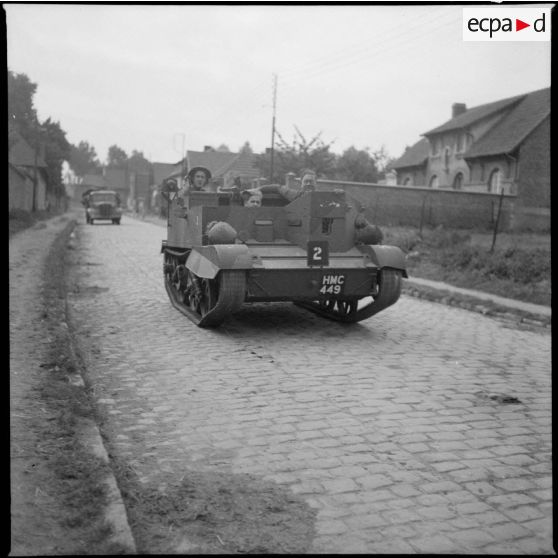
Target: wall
{"points": [[20, 194], [408, 206]]}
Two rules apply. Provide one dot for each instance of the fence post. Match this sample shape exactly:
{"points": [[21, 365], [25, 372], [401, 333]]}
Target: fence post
{"points": [[422, 215], [497, 219], [376, 207]]}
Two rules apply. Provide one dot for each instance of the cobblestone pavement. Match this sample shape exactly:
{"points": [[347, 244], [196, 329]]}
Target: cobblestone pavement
{"points": [[426, 428]]}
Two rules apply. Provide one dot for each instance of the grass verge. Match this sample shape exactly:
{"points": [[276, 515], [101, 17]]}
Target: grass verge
{"points": [[19, 219], [456, 257], [77, 475]]}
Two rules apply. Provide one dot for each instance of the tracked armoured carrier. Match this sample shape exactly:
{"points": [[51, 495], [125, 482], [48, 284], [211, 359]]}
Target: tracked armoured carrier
{"points": [[219, 255]]}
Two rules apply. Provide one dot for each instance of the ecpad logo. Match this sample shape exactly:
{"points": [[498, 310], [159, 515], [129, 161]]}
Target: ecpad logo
{"points": [[506, 24]]}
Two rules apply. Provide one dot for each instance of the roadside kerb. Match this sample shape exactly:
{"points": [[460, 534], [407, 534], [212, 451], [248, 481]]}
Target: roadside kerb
{"points": [[480, 302]]}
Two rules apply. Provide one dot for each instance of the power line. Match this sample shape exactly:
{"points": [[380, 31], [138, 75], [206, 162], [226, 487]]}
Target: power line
{"points": [[330, 67], [341, 54]]}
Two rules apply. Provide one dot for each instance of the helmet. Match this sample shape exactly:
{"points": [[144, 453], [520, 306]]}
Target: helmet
{"points": [[194, 170]]}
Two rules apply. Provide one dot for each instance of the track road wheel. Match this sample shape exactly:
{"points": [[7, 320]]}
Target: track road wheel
{"points": [[201, 294]]}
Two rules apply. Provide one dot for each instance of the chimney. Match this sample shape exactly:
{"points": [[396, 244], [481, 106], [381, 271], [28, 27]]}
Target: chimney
{"points": [[207, 148], [457, 109]]}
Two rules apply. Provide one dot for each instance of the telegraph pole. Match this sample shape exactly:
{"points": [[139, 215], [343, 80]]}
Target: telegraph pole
{"points": [[273, 127]]}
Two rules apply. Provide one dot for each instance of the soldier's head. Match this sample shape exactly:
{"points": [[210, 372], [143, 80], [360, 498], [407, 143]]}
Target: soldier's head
{"points": [[308, 180], [254, 201], [252, 198], [198, 177]]}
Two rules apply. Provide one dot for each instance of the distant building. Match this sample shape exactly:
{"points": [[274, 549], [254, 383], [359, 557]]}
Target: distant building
{"points": [[116, 179]]}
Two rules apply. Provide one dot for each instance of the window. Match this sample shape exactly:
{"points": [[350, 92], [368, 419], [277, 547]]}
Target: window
{"points": [[433, 182], [458, 181], [460, 143], [446, 158], [494, 181], [436, 146]]}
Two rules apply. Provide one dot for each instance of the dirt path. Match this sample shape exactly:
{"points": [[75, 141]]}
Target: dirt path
{"points": [[57, 494], [34, 529]]}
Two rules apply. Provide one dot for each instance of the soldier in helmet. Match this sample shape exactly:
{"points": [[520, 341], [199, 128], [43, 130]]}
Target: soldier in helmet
{"points": [[198, 179]]}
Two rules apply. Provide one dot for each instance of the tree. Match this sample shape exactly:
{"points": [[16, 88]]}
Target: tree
{"points": [[223, 148], [382, 158], [83, 159], [357, 165], [48, 136], [22, 115], [138, 162], [298, 155], [246, 148], [116, 156], [57, 150]]}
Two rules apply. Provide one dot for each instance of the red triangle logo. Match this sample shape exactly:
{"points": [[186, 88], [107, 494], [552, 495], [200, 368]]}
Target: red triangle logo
{"points": [[519, 25]]}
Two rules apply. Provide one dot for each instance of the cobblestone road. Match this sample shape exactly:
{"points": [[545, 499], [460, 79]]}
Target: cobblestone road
{"points": [[401, 431]]}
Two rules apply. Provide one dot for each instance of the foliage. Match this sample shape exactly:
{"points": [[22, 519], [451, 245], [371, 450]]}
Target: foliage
{"points": [[57, 150], [514, 264], [519, 269], [298, 155], [138, 162], [48, 135], [382, 158], [356, 165], [83, 159], [246, 148], [22, 116], [223, 148], [116, 156]]}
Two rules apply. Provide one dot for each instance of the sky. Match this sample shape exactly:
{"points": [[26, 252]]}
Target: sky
{"points": [[161, 79]]}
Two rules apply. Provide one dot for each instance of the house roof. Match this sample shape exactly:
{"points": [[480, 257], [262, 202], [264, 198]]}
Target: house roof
{"points": [[162, 171], [212, 160], [23, 155], [414, 156], [244, 164], [507, 134], [472, 115]]}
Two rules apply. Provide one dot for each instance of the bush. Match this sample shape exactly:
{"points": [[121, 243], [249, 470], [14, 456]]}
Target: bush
{"points": [[406, 240], [440, 238], [517, 265]]}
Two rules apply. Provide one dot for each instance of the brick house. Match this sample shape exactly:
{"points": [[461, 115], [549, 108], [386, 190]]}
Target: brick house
{"points": [[500, 145]]}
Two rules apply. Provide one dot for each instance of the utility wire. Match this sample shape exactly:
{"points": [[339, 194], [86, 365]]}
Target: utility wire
{"points": [[354, 49], [333, 63], [371, 54]]}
